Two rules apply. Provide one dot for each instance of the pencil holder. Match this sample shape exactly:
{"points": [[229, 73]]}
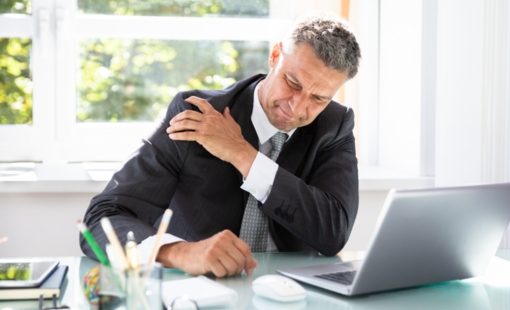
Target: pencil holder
{"points": [[136, 289], [143, 288]]}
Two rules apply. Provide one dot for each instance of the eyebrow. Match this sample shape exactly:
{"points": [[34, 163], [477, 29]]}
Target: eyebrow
{"points": [[299, 83]]}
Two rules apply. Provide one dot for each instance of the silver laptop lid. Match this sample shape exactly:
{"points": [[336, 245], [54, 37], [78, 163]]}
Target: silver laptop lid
{"points": [[434, 235]]}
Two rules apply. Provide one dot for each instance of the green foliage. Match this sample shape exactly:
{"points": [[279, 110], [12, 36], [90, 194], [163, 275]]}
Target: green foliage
{"points": [[15, 81], [210, 8], [126, 80], [135, 80], [16, 6]]}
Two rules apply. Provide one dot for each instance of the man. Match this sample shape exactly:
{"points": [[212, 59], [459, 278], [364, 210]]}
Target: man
{"points": [[267, 164]]}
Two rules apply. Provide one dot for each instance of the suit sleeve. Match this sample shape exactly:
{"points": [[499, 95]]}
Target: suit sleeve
{"points": [[138, 194], [320, 209]]}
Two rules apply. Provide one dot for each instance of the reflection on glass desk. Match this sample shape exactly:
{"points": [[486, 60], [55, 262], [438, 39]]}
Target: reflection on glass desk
{"points": [[492, 291]]}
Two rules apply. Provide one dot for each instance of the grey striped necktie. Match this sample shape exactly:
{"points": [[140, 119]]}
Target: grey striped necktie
{"points": [[254, 230]]}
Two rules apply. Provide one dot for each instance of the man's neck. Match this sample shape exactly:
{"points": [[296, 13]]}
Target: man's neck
{"points": [[261, 99]]}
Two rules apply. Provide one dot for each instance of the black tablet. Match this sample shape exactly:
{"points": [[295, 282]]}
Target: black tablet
{"points": [[27, 273]]}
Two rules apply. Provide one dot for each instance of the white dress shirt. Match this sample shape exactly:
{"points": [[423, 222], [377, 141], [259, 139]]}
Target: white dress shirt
{"points": [[260, 178]]}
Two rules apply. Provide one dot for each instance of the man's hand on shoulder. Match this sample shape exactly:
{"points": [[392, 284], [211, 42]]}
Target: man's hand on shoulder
{"points": [[223, 254], [218, 133]]}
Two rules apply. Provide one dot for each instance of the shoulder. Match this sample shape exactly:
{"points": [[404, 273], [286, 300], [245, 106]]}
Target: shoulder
{"points": [[335, 122], [219, 99]]}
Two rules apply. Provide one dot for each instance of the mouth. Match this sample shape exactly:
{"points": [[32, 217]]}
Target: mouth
{"points": [[286, 115]]}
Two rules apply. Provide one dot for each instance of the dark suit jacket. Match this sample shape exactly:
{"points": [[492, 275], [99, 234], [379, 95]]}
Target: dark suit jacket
{"points": [[312, 205]]}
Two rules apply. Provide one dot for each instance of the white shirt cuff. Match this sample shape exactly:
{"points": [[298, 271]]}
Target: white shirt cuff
{"points": [[146, 246], [261, 177]]}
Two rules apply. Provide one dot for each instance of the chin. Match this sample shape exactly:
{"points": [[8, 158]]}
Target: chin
{"points": [[285, 127], [282, 124]]}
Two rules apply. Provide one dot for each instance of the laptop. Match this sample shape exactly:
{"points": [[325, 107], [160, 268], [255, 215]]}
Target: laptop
{"points": [[422, 237]]}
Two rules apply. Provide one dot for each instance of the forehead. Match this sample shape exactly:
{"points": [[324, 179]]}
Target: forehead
{"points": [[301, 63]]}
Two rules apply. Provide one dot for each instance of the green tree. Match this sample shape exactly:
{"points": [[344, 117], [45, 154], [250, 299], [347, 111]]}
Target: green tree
{"points": [[135, 80], [16, 6], [209, 8], [15, 81], [126, 80]]}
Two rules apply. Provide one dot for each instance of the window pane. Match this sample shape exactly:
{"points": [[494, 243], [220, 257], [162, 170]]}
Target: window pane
{"points": [[16, 6], [15, 81], [135, 80], [203, 8]]}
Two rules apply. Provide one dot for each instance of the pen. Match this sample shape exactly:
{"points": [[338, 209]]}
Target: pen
{"points": [[93, 244], [100, 255], [114, 241], [161, 230], [3, 239], [133, 256]]}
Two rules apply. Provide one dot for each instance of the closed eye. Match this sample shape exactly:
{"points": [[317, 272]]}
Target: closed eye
{"points": [[292, 84], [319, 99]]}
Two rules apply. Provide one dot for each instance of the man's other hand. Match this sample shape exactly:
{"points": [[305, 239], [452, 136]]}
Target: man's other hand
{"points": [[223, 254], [218, 133]]}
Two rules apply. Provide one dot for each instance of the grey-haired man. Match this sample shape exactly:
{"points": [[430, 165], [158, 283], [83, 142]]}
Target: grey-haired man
{"points": [[267, 164]]}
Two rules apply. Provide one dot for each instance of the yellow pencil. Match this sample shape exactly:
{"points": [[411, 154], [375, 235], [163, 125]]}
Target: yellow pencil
{"points": [[132, 254], [161, 231]]}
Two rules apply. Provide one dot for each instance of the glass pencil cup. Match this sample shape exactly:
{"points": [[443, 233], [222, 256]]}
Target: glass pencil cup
{"points": [[135, 289]]}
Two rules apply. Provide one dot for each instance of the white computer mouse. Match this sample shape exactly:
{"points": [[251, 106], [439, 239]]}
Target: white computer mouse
{"points": [[278, 288]]}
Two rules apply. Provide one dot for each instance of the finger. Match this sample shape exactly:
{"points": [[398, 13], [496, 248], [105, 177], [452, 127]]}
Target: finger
{"points": [[218, 269], [211, 263], [188, 114], [250, 267], [184, 136], [183, 125], [250, 263], [230, 256], [202, 104], [228, 263], [227, 115], [238, 257]]}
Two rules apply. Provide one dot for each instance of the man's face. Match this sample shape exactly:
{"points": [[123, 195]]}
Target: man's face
{"points": [[298, 87]]}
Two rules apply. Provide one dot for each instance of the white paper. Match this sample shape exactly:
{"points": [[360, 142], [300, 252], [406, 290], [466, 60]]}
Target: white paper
{"points": [[205, 292]]}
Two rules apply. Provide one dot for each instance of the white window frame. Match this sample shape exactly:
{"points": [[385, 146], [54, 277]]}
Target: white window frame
{"points": [[55, 136], [32, 142]]}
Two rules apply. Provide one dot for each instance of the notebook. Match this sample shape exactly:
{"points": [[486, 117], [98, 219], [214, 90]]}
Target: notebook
{"points": [[204, 291], [48, 288]]}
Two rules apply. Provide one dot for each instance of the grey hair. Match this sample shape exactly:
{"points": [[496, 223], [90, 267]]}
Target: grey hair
{"points": [[331, 39]]}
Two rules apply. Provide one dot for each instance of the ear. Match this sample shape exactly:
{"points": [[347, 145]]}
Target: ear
{"points": [[275, 54]]}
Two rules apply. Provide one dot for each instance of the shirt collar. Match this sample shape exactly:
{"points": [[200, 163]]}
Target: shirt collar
{"points": [[265, 130]]}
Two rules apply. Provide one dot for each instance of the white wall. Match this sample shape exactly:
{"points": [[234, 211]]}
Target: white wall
{"points": [[400, 85], [370, 205], [459, 93], [41, 224], [473, 93], [45, 224]]}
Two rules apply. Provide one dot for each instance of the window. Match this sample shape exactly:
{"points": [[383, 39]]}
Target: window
{"points": [[87, 80], [24, 122]]}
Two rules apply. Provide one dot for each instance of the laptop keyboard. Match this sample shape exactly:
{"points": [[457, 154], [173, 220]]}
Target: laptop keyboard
{"points": [[344, 277]]}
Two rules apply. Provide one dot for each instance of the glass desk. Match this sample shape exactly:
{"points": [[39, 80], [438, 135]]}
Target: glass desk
{"points": [[492, 291]]}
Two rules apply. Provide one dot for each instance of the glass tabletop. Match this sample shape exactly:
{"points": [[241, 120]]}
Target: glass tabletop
{"points": [[492, 291]]}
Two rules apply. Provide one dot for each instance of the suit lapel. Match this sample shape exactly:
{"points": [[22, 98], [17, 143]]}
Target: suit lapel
{"points": [[241, 108], [294, 150]]}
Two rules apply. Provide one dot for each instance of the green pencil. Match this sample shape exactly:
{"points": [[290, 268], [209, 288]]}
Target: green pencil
{"points": [[93, 244]]}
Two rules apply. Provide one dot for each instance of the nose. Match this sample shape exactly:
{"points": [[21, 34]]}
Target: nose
{"points": [[298, 104]]}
